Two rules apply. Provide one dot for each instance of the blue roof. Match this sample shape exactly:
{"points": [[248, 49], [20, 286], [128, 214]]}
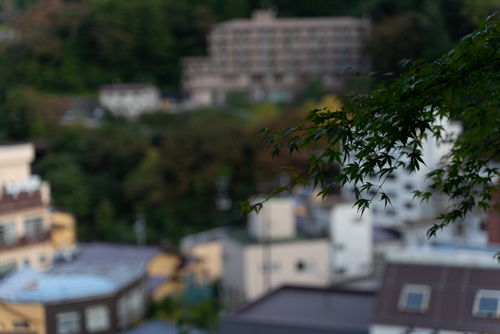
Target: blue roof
{"points": [[69, 281]]}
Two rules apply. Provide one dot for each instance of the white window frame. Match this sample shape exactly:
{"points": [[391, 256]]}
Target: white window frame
{"points": [[414, 288], [485, 294], [9, 234], [73, 316], [32, 232], [97, 318]]}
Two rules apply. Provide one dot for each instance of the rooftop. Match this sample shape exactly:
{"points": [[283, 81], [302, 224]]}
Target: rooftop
{"points": [[289, 22], [452, 291], [241, 235], [305, 310], [125, 86], [107, 252], [69, 281]]}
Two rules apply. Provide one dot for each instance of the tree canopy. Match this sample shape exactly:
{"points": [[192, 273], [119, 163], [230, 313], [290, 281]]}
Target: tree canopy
{"points": [[385, 129]]}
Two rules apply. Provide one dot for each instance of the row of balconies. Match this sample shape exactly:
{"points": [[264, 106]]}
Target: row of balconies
{"points": [[24, 240]]}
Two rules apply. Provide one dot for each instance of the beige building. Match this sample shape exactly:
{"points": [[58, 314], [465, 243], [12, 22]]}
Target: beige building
{"points": [[271, 254], [24, 211], [273, 59], [129, 100]]}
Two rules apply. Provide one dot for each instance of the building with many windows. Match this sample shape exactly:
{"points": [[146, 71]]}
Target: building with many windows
{"points": [[24, 211], [273, 59], [130, 99]]}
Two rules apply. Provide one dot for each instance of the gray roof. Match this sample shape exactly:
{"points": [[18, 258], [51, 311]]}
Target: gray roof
{"points": [[157, 327], [106, 252], [126, 86], [298, 310], [289, 22]]}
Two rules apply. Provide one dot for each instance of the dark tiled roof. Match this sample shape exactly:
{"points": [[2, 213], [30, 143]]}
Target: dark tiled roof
{"points": [[453, 290], [157, 327], [304, 310]]}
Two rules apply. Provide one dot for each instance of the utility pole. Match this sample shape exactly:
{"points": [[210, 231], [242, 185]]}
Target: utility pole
{"points": [[140, 229]]}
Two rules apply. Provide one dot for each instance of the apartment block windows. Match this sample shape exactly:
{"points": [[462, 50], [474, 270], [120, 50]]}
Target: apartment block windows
{"points": [[7, 234], [305, 266], [97, 318], [33, 227], [68, 323], [414, 298], [486, 304]]}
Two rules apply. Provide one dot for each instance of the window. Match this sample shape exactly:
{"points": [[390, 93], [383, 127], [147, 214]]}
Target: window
{"points": [[8, 234], [20, 325], [6, 268], [486, 304], [33, 227], [121, 312], [414, 298], [97, 318], [270, 267], [305, 266], [68, 323]]}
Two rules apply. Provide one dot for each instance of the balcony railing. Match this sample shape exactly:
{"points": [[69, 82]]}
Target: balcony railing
{"points": [[24, 241], [23, 201]]}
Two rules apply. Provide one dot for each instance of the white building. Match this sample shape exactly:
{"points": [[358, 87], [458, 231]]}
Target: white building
{"points": [[129, 100], [400, 184]]}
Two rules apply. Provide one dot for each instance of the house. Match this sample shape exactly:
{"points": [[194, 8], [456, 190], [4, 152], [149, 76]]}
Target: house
{"points": [[71, 298], [130, 99], [288, 242], [431, 291], [301, 310], [25, 217], [272, 59], [167, 272], [83, 111]]}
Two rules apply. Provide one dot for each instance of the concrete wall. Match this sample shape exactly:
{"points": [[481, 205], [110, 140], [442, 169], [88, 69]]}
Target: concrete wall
{"points": [[210, 256], [235, 275], [304, 262], [63, 231], [276, 220], [15, 162], [32, 314], [351, 242]]}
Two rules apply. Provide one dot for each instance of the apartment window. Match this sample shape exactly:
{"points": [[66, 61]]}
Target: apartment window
{"points": [[121, 312], [486, 304], [7, 234], [33, 227], [68, 323], [97, 318], [414, 298]]}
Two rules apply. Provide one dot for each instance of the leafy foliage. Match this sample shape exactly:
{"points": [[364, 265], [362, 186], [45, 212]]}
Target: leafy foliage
{"points": [[386, 128]]}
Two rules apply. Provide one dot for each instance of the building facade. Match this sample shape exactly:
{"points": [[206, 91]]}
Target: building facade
{"points": [[24, 211], [129, 100], [273, 59]]}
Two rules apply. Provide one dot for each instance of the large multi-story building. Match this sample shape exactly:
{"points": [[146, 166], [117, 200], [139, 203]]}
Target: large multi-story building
{"points": [[24, 211], [272, 59]]}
